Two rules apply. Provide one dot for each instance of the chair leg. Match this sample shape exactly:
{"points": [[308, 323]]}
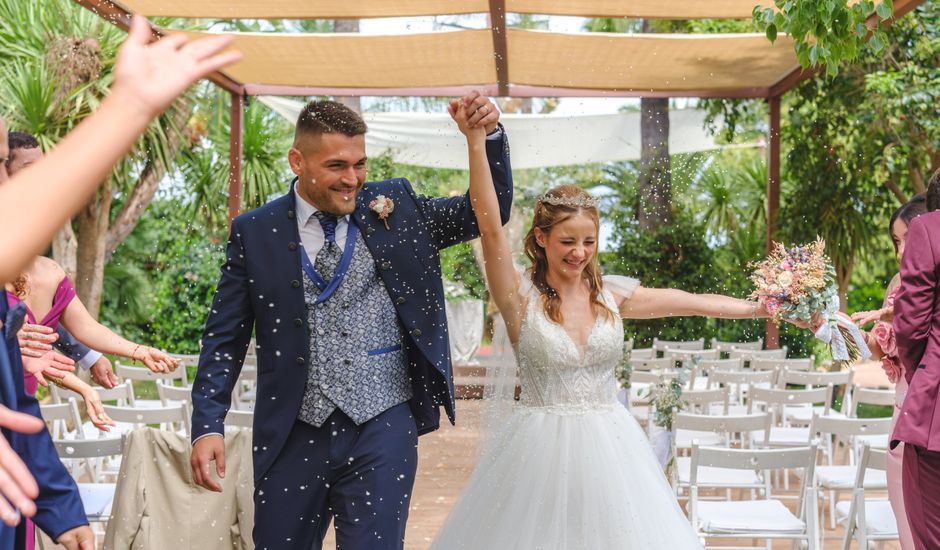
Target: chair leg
{"points": [[832, 509]]}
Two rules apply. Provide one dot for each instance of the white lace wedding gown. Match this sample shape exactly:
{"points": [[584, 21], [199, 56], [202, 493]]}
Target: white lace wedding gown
{"points": [[570, 469]]}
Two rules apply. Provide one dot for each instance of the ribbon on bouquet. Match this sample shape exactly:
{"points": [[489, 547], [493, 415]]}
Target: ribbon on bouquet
{"points": [[832, 332]]}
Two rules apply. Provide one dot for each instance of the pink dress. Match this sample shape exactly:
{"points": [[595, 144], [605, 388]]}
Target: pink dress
{"points": [[890, 362], [64, 294]]}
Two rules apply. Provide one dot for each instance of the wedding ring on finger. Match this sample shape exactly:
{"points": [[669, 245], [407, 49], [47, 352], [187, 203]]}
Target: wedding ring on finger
{"points": [[485, 109]]}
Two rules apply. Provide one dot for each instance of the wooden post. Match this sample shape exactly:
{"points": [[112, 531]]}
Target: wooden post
{"points": [[772, 333], [235, 156]]}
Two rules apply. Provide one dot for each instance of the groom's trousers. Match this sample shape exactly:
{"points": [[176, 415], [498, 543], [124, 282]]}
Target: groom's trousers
{"points": [[359, 476]]}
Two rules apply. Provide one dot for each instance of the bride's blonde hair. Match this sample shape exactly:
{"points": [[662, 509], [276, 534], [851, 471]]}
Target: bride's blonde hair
{"points": [[555, 206]]}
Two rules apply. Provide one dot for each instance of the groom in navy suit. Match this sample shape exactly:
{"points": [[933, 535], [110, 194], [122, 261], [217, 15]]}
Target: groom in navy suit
{"points": [[340, 281]]}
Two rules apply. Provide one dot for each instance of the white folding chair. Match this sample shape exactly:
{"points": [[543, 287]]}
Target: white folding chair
{"points": [[748, 354], [59, 416], [870, 396], [242, 420], [700, 402], [764, 363], [722, 430], [833, 478], [708, 401], [867, 519], [186, 360], [775, 399], [122, 394], [246, 388], [130, 374], [96, 496], [740, 382], [726, 347], [688, 356], [767, 518], [801, 415], [173, 395], [661, 345], [640, 364], [642, 353], [168, 417]]}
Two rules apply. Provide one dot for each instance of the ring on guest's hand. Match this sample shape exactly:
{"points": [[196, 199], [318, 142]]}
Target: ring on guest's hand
{"points": [[485, 109]]}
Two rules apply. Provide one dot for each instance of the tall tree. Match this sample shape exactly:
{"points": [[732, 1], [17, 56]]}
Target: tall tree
{"points": [[60, 58]]}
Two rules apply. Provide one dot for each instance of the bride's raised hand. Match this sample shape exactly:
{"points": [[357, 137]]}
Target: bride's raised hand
{"points": [[458, 111]]}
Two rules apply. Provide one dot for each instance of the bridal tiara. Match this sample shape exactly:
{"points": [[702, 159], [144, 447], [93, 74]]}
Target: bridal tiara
{"points": [[579, 201]]}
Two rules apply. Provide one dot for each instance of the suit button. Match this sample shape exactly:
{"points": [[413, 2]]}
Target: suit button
{"points": [[347, 361], [298, 322], [399, 300], [416, 333], [386, 264], [295, 284], [344, 334], [290, 214], [292, 246], [300, 361], [370, 230]]}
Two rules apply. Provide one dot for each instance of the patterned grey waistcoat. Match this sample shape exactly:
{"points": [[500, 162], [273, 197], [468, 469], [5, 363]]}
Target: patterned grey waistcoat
{"points": [[356, 359]]}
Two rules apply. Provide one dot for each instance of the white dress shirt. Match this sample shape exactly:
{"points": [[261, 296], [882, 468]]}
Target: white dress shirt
{"points": [[311, 232]]}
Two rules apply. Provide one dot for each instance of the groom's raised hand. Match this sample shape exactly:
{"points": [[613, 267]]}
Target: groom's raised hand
{"points": [[480, 110]]}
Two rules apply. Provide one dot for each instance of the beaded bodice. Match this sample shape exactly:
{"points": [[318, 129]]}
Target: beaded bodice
{"points": [[556, 373]]}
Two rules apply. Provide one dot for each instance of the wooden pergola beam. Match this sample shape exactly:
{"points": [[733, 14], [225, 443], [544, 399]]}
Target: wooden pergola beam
{"points": [[771, 332], [500, 47], [120, 17]]}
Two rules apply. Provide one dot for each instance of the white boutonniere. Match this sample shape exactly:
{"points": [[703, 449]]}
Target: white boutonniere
{"points": [[382, 206]]}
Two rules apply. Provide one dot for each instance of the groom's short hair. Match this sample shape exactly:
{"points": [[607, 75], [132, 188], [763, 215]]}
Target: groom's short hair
{"points": [[327, 117]]}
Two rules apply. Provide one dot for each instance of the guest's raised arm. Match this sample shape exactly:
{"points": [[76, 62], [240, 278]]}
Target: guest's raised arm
{"points": [[147, 78]]}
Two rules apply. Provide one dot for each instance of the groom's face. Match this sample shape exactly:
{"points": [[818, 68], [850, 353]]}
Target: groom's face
{"points": [[331, 170]]}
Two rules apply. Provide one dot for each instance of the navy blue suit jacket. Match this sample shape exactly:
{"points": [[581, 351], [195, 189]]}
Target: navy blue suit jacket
{"points": [[59, 506], [261, 288]]}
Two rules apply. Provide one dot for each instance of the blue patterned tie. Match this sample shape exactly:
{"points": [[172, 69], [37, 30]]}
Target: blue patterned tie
{"points": [[329, 256]]}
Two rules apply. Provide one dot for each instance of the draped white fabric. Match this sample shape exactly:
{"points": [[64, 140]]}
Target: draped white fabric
{"points": [[538, 141], [465, 325]]}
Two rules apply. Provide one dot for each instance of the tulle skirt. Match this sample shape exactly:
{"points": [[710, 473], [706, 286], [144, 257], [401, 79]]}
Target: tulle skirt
{"points": [[555, 480]]}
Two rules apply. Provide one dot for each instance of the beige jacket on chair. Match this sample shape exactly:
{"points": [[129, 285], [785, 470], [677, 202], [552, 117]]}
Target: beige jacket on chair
{"points": [[157, 507]]}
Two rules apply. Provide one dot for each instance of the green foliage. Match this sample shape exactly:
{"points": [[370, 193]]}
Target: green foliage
{"points": [[827, 32], [174, 271], [459, 265]]}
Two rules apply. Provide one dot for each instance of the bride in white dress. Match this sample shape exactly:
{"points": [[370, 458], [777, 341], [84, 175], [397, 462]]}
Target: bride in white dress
{"points": [[568, 468]]}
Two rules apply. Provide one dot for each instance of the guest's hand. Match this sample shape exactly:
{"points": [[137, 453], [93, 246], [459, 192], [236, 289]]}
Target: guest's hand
{"points": [[79, 538], [862, 318], [103, 374], [35, 340], [205, 450], [95, 410], [480, 110], [156, 360], [152, 75], [17, 486], [50, 363]]}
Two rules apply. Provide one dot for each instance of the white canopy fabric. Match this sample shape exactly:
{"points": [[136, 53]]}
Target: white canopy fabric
{"points": [[537, 141]]}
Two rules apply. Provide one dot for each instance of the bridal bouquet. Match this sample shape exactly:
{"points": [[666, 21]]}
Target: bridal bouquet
{"points": [[799, 284]]}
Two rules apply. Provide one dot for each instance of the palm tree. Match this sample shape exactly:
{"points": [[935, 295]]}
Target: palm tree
{"points": [[266, 138], [60, 58]]}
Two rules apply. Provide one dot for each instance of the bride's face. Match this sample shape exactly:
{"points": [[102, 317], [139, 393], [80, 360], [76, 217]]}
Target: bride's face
{"points": [[570, 245]]}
